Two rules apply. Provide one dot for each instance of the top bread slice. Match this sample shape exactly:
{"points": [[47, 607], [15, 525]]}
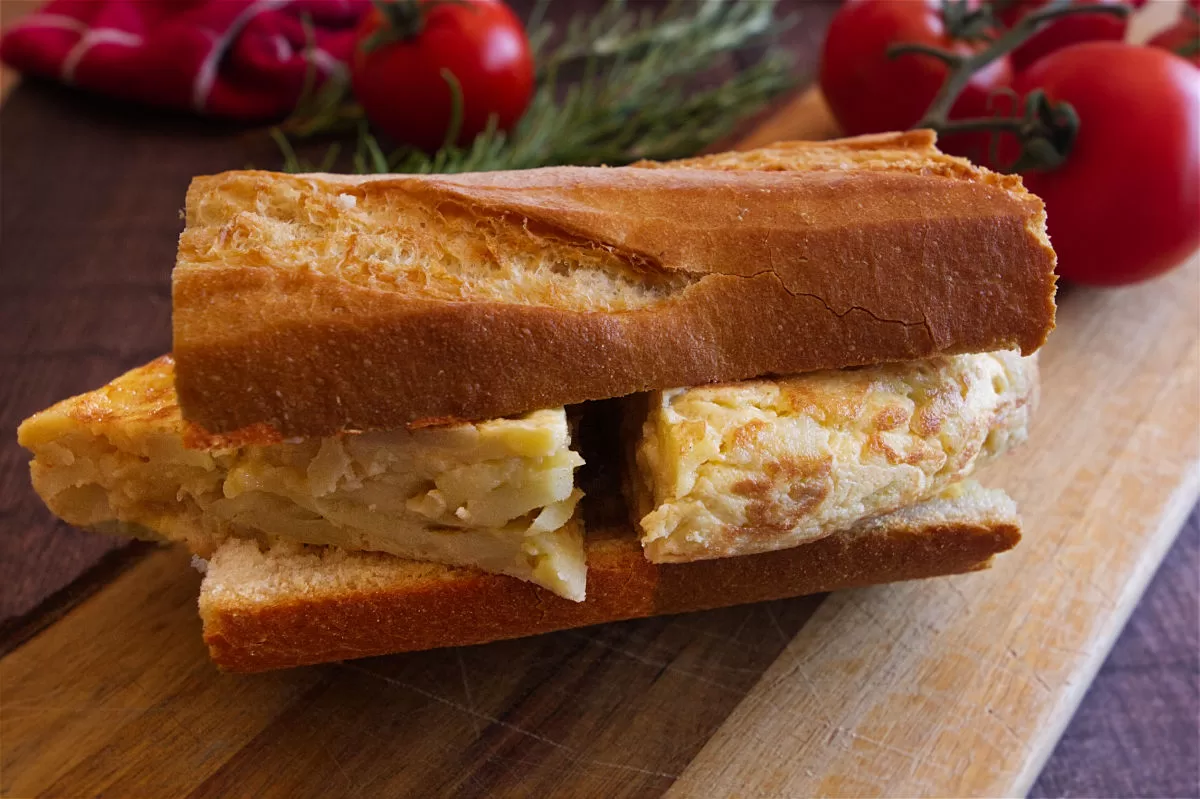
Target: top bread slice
{"points": [[319, 303]]}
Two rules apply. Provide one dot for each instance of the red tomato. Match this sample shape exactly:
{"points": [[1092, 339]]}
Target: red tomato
{"points": [[871, 93], [400, 82], [1064, 32], [1182, 38], [1126, 204]]}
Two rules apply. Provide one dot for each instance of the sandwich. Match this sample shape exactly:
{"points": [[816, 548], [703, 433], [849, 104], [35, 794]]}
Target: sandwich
{"points": [[409, 412]]}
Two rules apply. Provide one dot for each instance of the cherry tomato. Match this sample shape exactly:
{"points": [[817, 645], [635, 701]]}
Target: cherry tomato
{"points": [[1126, 204], [402, 49], [1182, 38], [1065, 31], [871, 93]]}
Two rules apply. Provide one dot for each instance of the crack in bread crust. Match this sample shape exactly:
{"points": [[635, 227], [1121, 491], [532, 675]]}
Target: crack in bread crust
{"points": [[445, 248]]}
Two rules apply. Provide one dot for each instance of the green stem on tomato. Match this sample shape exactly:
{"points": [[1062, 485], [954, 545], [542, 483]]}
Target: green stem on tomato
{"points": [[950, 59], [1010, 40], [967, 21], [1032, 129], [1191, 47], [405, 19]]}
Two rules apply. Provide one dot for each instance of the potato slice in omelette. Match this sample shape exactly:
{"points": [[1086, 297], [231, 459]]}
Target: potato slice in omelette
{"points": [[761, 465], [497, 495]]}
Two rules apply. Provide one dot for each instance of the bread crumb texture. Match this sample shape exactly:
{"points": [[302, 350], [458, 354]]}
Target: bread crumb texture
{"points": [[409, 243], [769, 464], [461, 238]]}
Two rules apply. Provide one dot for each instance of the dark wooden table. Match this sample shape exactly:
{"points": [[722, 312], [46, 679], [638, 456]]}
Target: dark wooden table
{"points": [[89, 199]]}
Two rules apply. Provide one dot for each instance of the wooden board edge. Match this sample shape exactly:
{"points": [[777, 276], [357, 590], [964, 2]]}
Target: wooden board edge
{"points": [[728, 762], [1174, 514]]}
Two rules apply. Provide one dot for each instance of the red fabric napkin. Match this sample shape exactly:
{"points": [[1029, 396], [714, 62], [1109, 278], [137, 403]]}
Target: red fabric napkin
{"points": [[241, 59]]}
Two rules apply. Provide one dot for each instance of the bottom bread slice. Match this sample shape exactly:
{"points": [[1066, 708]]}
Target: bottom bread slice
{"points": [[295, 606]]}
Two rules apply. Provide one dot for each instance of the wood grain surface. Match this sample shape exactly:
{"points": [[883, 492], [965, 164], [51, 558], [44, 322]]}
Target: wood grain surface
{"points": [[1137, 732], [955, 687], [88, 231], [998, 660]]}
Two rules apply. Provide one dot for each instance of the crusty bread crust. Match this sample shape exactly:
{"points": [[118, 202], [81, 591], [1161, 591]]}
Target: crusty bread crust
{"points": [[784, 260], [409, 606]]}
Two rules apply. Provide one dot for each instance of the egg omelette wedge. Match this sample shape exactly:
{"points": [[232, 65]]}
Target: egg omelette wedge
{"points": [[497, 495]]}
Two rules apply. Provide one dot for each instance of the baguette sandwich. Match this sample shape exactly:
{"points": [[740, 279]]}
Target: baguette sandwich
{"points": [[406, 412]]}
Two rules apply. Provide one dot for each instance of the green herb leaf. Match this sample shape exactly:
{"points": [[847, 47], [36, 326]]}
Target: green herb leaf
{"points": [[632, 102]]}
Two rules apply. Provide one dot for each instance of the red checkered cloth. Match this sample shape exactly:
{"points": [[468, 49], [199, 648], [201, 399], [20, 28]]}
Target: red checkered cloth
{"points": [[240, 59]]}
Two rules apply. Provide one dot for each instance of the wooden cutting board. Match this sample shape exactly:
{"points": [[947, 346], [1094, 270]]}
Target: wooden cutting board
{"points": [[957, 686]]}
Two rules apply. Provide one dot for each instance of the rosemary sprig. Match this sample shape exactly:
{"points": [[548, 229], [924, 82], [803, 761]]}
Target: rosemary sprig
{"points": [[711, 26], [632, 101]]}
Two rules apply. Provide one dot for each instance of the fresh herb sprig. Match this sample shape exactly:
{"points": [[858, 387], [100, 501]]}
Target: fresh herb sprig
{"points": [[632, 100]]}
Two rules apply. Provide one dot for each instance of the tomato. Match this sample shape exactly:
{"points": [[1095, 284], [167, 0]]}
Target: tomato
{"points": [[402, 48], [1065, 31], [871, 93], [1126, 204], [1182, 38]]}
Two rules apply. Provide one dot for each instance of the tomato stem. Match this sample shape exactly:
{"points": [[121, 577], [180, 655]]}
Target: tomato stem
{"points": [[1041, 129], [403, 20], [1046, 129], [951, 59], [1190, 48], [965, 23]]}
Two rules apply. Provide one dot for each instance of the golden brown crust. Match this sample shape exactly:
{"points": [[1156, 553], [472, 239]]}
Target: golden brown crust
{"points": [[786, 260], [459, 607]]}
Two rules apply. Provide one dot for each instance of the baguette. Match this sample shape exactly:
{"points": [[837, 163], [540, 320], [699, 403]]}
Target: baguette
{"points": [[294, 606], [319, 303]]}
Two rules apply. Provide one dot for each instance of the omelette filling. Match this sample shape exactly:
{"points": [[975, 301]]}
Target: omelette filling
{"points": [[762, 465], [497, 495]]}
